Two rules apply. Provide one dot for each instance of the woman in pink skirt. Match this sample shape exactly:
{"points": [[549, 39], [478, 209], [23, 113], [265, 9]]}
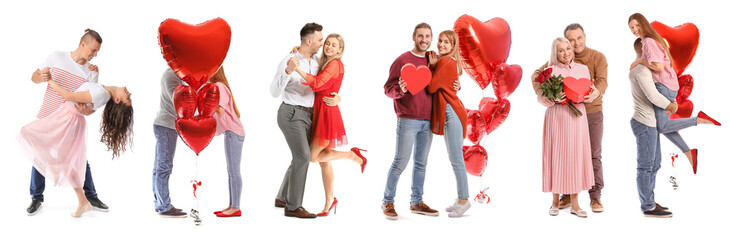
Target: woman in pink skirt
{"points": [[566, 148], [57, 143]]}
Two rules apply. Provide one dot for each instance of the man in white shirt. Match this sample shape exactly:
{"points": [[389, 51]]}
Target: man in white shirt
{"points": [[70, 70], [295, 117]]}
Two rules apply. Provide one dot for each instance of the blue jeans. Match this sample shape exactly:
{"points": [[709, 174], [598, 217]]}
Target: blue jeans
{"points": [[164, 153], [649, 160], [408, 133], [38, 184], [454, 138], [233, 146], [670, 127]]}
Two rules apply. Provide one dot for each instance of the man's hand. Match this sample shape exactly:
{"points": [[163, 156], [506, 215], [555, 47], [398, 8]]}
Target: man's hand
{"points": [[457, 85], [672, 108], [332, 101], [403, 85], [595, 93], [85, 108], [291, 65], [220, 111]]}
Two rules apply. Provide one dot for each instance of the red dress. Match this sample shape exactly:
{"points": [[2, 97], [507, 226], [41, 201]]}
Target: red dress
{"points": [[327, 127]]}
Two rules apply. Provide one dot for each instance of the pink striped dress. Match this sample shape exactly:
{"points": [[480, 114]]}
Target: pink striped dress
{"points": [[566, 146]]}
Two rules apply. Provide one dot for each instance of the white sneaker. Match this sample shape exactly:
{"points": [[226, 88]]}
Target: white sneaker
{"points": [[457, 210]]}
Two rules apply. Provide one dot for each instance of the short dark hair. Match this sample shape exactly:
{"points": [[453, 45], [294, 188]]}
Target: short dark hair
{"points": [[88, 33], [637, 45], [309, 28], [421, 25], [573, 26]]}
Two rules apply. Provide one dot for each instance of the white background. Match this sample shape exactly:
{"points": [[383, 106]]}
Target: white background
{"points": [[375, 34]]}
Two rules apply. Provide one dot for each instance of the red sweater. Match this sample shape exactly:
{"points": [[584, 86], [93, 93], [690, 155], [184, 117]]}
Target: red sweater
{"points": [[442, 87], [406, 104]]}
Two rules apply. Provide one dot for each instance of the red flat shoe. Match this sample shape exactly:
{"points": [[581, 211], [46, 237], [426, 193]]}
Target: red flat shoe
{"points": [[704, 116], [234, 214], [327, 213], [694, 160], [364, 160]]}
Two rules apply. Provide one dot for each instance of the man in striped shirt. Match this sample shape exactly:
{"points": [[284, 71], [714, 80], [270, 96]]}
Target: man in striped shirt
{"points": [[70, 70]]}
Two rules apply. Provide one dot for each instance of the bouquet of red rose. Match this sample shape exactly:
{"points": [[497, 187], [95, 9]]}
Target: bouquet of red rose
{"points": [[552, 88]]}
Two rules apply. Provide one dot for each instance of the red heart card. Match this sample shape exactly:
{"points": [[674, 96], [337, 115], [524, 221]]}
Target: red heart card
{"points": [[416, 78]]}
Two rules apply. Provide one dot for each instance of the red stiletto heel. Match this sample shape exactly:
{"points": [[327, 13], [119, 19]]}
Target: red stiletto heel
{"points": [[327, 213], [704, 116], [364, 160], [694, 160]]}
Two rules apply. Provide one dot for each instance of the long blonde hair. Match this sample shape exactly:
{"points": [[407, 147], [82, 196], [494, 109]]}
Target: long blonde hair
{"points": [[648, 31], [554, 51], [220, 76], [454, 39], [324, 60]]}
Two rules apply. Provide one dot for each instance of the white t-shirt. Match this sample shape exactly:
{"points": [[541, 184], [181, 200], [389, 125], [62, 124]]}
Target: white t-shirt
{"points": [[63, 60], [99, 95], [67, 73]]}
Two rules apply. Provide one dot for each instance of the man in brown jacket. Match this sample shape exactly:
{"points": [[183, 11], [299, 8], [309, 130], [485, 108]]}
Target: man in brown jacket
{"points": [[598, 68]]}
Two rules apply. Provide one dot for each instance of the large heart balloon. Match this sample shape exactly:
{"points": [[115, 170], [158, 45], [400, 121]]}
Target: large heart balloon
{"points": [[684, 111], [194, 52], [576, 88], [208, 98], [682, 41], [196, 132], [416, 78], [475, 128], [506, 79], [494, 112], [475, 159], [483, 46], [686, 83]]}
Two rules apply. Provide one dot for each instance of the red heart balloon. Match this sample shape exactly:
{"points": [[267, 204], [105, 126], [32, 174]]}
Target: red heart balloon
{"points": [[494, 112], [475, 128], [483, 46], [686, 83], [684, 110], [208, 97], [475, 159], [194, 52], [682, 41], [506, 79], [184, 101], [416, 78], [576, 89], [196, 132]]}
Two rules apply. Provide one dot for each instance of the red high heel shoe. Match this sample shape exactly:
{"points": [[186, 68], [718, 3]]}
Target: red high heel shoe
{"points": [[234, 214], [327, 213], [364, 160], [704, 116], [694, 160]]}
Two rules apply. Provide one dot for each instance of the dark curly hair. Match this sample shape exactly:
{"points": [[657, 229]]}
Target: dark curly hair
{"points": [[116, 126]]}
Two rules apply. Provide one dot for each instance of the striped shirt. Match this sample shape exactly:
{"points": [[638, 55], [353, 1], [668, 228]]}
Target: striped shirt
{"points": [[68, 74]]}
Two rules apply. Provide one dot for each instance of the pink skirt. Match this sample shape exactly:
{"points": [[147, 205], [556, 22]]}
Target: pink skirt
{"points": [[567, 167], [56, 146]]}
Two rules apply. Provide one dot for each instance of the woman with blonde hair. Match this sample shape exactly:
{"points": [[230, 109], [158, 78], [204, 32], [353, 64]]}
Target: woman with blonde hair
{"points": [[328, 130], [448, 117], [229, 124], [566, 149]]}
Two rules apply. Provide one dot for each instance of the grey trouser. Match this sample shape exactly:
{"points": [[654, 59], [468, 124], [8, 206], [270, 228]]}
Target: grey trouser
{"points": [[295, 123]]}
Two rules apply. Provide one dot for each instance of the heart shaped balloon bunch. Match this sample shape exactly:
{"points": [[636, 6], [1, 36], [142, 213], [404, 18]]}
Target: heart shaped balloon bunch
{"points": [[195, 52], [683, 41]]}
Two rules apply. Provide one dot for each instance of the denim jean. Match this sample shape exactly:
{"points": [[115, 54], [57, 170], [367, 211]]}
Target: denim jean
{"points": [[409, 132], [670, 127], [164, 153], [649, 160], [454, 138], [233, 146], [38, 184]]}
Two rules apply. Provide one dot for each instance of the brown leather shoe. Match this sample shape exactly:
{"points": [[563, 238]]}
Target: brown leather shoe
{"points": [[299, 212], [389, 211], [422, 208], [564, 201], [596, 205], [278, 203]]}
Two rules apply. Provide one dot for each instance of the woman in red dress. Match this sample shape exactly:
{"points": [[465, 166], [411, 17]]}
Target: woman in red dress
{"points": [[328, 131]]}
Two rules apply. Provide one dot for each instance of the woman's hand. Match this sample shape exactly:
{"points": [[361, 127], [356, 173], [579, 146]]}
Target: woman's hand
{"points": [[332, 101], [93, 67], [295, 49]]}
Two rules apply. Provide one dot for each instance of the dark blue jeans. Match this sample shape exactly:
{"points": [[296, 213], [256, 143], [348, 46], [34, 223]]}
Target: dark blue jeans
{"points": [[38, 184]]}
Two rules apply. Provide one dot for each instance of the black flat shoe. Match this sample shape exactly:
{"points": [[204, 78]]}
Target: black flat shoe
{"points": [[35, 205], [98, 205]]}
